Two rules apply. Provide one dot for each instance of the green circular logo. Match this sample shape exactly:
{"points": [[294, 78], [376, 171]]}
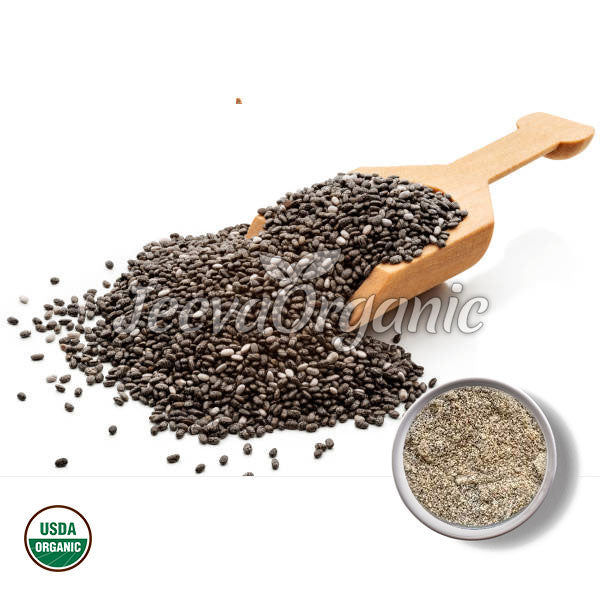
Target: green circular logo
{"points": [[58, 538]]}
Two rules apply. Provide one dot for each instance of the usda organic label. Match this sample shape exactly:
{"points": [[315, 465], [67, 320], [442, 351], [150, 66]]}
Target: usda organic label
{"points": [[58, 538]]}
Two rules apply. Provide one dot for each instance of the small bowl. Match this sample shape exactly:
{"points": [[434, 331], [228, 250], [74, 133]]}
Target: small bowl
{"points": [[451, 529]]}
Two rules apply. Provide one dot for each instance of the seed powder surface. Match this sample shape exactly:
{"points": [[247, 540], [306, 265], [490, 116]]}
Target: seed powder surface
{"points": [[475, 456]]}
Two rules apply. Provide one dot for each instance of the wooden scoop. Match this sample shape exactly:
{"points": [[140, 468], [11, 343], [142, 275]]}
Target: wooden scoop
{"points": [[467, 181]]}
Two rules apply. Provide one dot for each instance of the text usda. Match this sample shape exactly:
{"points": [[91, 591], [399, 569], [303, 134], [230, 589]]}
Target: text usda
{"points": [[58, 538]]}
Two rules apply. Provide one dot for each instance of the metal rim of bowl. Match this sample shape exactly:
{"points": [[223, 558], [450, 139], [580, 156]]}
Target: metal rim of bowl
{"points": [[459, 531]]}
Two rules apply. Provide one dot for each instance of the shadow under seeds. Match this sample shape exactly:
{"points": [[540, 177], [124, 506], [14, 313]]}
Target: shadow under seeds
{"points": [[538, 259]]}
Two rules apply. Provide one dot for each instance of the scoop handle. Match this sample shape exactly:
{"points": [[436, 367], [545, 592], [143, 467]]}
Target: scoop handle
{"points": [[538, 134]]}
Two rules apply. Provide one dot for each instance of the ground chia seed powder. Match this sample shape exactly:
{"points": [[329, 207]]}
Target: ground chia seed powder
{"points": [[474, 456]]}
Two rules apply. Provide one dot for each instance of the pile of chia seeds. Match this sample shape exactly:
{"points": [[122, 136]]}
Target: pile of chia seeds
{"points": [[212, 381]]}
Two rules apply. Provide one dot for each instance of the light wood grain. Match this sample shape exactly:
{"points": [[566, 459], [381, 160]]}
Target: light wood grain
{"points": [[467, 181]]}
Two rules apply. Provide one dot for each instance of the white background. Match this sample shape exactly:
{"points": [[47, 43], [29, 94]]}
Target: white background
{"points": [[118, 125]]}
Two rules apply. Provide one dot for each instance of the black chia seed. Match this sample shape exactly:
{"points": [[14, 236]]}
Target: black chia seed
{"points": [[60, 463], [214, 384], [112, 429], [21, 396], [200, 468], [173, 458]]}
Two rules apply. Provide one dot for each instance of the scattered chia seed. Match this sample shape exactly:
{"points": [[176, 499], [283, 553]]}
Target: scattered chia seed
{"points": [[60, 463], [12, 321], [432, 383], [200, 468], [77, 392], [109, 264], [318, 453], [112, 429], [69, 407], [223, 460], [60, 388], [23, 299], [329, 443], [273, 452], [274, 464], [173, 458], [214, 384], [247, 449], [65, 379], [21, 396], [54, 280], [248, 474], [37, 357], [51, 379], [25, 333]]}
